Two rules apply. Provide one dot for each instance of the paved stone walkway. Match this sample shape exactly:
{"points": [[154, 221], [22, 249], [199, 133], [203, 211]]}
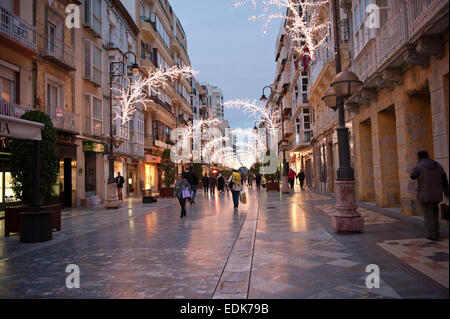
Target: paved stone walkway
{"points": [[273, 247]]}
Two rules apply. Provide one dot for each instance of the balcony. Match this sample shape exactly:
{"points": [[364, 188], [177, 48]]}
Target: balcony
{"points": [[288, 129], [60, 53], [16, 29], [149, 141], [148, 26], [13, 110], [404, 26], [65, 121], [302, 140], [137, 149]]}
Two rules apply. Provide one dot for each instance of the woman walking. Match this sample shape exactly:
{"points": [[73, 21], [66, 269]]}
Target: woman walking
{"points": [[182, 191], [205, 182]]}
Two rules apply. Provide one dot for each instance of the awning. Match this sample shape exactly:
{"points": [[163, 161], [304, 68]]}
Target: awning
{"points": [[17, 128]]}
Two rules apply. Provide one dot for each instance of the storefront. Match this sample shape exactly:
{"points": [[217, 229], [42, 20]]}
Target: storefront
{"points": [[132, 179], [7, 196], [91, 151], [67, 172], [151, 173], [13, 128]]}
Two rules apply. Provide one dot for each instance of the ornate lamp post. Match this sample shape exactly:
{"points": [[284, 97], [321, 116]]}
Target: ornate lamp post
{"points": [[345, 84], [116, 69], [285, 187]]}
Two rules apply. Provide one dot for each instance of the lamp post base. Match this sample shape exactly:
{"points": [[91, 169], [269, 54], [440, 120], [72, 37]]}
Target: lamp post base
{"points": [[285, 187], [111, 201], [346, 218]]}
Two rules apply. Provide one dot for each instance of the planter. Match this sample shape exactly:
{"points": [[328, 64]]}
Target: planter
{"points": [[12, 217], [36, 227], [273, 186], [166, 192]]}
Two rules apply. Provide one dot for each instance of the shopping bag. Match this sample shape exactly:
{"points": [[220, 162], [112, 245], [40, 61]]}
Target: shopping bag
{"points": [[186, 193], [243, 198]]}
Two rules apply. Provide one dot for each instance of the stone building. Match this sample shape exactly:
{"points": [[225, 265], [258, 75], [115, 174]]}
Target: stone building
{"points": [[402, 107], [55, 88], [18, 55]]}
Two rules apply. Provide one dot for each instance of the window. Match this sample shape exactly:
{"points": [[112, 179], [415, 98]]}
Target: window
{"points": [[7, 89], [93, 16], [307, 122], [162, 32], [51, 37], [92, 62], [93, 115], [97, 116]]}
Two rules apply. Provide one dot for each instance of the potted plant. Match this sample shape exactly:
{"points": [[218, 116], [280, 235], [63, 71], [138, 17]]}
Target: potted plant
{"points": [[272, 180], [168, 180], [22, 166]]}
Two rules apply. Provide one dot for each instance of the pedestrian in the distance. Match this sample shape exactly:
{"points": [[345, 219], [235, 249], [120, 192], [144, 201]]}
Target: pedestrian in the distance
{"points": [[432, 183], [205, 182], [220, 183], [250, 180], [192, 179], [235, 184], [301, 178], [292, 176], [212, 184], [182, 191], [119, 183], [258, 181]]}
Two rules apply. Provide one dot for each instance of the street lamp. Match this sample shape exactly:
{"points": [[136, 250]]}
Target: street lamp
{"points": [[346, 217], [116, 69], [285, 188]]}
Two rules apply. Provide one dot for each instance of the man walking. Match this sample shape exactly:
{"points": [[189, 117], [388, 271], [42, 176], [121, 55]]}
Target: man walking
{"points": [[192, 179], [432, 183], [119, 182], [258, 181], [205, 182], [301, 177], [212, 184]]}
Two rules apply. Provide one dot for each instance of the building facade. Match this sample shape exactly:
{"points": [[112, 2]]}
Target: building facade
{"points": [[402, 107]]}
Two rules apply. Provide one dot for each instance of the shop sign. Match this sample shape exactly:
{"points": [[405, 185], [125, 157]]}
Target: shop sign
{"points": [[152, 159], [59, 112], [89, 146], [18, 128], [160, 144]]}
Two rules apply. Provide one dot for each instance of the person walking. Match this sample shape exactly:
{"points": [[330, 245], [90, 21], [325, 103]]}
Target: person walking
{"points": [[292, 176], [119, 183], [432, 183], [192, 179], [205, 182], [258, 181], [182, 191], [212, 184], [250, 180], [301, 178], [235, 184], [220, 183]]}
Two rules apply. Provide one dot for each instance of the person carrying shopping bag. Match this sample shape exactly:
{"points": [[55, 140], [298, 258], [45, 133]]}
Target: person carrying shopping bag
{"points": [[235, 185], [182, 191]]}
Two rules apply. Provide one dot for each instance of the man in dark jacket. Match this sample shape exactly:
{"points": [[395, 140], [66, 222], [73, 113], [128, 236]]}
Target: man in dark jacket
{"points": [[205, 182], [119, 182], [301, 177], [432, 183], [192, 179]]}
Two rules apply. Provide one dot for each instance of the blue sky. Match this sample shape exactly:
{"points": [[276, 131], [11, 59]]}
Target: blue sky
{"points": [[229, 50]]}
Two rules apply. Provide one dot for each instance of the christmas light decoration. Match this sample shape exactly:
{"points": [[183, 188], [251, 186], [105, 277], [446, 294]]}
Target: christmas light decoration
{"points": [[303, 24]]}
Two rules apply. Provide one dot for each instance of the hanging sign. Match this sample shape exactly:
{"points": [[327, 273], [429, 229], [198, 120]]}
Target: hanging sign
{"points": [[18, 128]]}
